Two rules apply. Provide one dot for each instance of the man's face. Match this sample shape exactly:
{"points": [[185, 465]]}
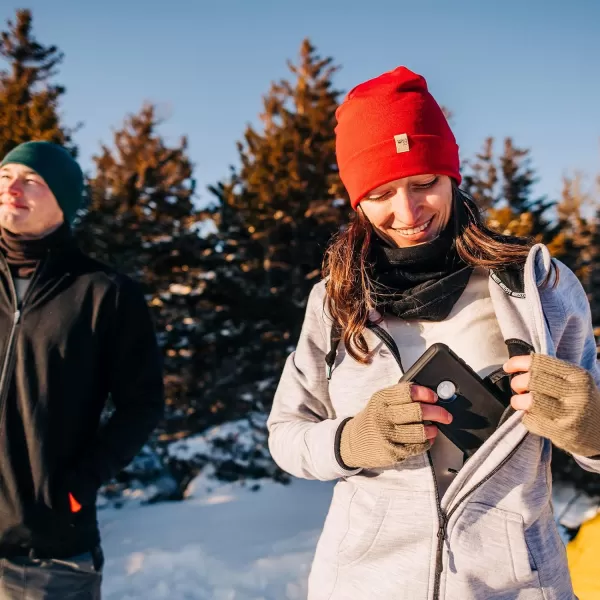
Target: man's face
{"points": [[27, 206]]}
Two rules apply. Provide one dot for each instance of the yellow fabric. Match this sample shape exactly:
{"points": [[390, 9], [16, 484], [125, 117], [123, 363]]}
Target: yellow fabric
{"points": [[583, 554]]}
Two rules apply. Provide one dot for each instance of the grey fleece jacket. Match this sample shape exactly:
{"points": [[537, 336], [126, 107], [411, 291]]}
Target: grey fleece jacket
{"points": [[387, 535]]}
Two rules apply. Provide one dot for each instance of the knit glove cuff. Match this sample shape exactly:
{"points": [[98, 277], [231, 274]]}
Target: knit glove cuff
{"points": [[566, 405], [387, 431]]}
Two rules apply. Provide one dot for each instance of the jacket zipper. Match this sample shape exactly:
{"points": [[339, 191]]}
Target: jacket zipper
{"points": [[9, 356], [443, 518], [441, 534]]}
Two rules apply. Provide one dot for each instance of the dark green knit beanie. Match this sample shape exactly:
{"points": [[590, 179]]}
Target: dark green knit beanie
{"points": [[57, 167]]}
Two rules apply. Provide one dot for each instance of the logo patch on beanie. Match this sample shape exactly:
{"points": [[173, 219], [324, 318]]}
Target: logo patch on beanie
{"points": [[401, 143]]}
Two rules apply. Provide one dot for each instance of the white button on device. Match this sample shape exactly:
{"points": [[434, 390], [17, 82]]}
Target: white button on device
{"points": [[446, 390]]}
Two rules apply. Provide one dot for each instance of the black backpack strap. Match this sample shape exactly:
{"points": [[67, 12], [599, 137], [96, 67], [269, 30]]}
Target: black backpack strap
{"points": [[388, 341], [335, 337], [511, 280]]}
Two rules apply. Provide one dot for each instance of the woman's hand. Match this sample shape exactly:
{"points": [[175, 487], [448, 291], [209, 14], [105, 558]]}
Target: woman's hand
{"points": [[560, 400], [391, 427]]}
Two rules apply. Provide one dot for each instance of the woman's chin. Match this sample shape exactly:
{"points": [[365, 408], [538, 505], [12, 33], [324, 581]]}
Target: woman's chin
{"points": [[417, 239]]}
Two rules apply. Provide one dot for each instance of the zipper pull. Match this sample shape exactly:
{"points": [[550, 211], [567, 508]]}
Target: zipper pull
{"points": [[439, 555], [17, 316], [442, 527]]}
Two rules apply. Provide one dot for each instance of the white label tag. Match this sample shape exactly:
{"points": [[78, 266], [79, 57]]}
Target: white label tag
{"points": [[401, 143]]}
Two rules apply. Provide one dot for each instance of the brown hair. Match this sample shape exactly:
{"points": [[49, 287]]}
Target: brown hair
{"points": [[346, 264]]}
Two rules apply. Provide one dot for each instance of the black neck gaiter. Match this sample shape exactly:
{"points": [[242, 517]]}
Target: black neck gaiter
{"points": [[23, 255], [421, 282]]}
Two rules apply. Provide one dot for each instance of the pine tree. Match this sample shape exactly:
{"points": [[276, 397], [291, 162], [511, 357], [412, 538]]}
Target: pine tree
{"points": [[288, 197], [503, 189], [572, 242], [290, 188], [29, 102], [518, 179], [481, 181], [141, 220], [275, 215]]}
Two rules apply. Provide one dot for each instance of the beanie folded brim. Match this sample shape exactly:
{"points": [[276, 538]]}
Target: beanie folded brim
{"points": [[377, 165]]}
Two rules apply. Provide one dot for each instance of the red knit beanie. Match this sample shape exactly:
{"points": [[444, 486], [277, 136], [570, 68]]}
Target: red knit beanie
{"points": [[391, 127]]}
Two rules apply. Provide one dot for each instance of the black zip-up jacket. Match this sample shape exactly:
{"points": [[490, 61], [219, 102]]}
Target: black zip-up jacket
{"points": [[82, 332]]}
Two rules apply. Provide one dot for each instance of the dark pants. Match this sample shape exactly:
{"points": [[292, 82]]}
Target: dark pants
{"points": [[75, 578]]}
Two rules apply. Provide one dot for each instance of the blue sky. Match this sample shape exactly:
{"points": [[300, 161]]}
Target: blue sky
{"points": [[529, 69]]}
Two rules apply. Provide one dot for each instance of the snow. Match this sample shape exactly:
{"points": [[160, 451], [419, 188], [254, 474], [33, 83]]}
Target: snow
{"points": [[179, 289], [224, 542], [572, 508], [229, 542], [203, 444]]}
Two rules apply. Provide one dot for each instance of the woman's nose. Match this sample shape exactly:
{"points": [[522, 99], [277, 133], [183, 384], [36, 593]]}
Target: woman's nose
{"points": [[407, 208]]}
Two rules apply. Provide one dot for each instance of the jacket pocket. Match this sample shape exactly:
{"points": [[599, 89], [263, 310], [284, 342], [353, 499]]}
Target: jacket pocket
{"points": [[488, 549], [366, 517]]}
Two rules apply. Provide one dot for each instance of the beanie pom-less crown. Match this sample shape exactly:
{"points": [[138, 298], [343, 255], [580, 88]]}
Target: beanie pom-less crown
{"points": [[391, 127]]}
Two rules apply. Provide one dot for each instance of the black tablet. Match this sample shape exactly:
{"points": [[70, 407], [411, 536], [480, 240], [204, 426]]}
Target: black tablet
{"points": [[476, 407]]}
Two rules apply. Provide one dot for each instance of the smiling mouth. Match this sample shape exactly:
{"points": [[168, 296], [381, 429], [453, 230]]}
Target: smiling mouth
{"points": [[13, 205], [408, 231]]}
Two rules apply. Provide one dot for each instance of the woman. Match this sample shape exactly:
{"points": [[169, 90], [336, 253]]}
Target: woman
{"points": [[409, 518]]}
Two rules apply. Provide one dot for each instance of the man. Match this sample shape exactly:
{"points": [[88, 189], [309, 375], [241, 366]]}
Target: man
{"points": [[72, 332]]}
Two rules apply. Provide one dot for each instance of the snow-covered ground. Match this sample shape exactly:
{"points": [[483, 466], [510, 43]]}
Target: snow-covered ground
{"points": [[228, 543]]}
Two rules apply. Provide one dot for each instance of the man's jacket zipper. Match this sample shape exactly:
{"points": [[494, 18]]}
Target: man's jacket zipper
{"points": [[9, 356]]}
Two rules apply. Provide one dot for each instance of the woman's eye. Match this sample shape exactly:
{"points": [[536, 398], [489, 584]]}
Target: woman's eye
{"points": [[379, 196], [428, 184]]}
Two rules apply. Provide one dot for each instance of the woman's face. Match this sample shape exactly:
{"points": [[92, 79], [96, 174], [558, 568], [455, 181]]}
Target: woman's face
{"points": [[410, 211]]}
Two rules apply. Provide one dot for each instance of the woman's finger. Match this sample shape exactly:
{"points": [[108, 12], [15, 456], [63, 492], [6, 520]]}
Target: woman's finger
{"points": [[431, 432], [518, 364], [522, 401], [403, 414], [415, 433], [436, 413], [520, 383], [420, 393]]}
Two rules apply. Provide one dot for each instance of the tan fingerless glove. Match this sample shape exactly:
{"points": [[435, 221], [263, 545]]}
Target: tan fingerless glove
{"points": [[388, 430], [566, 406]]}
